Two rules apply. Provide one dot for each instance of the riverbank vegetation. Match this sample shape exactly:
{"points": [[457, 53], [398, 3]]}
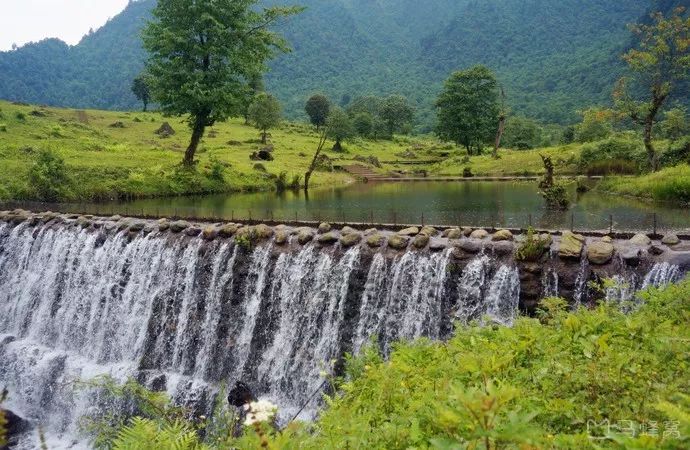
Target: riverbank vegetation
{"points": [[585, 379]]}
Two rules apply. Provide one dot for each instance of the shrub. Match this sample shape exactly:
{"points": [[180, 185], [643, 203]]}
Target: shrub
{"points": [[615, 155], [467, 172], [259, 167], [281, 182], [556, 197], [217, 170], [532, 248], [48, 177], [3, 127], [296, 182], [20, 116], [678, 152]]}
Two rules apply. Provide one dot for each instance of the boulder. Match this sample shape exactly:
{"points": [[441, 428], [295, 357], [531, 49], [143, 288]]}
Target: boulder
{"points": [[370, 231], [376, 240], [14, 426], [305, 235], [324, 227], [436, 245], [471, 246], [192, 231], [631, 256], [281, 237], [571, 245], [350, 239], [136, 227], [453, 233], [84, 222], [229, 230], [670, 239], [327, 238], [411, 231], [261, 155], [640, 239], [398, 242], [608, 239], [502, 235], [209, 233], [466, 231], [347, 230], [600, 252], [115, 218], [479, 234], [546, 239], [179, 226], [165, 130], [656, 250], [163, 225], [263, 231], [429, 231], [421, 240], [503, 248]]}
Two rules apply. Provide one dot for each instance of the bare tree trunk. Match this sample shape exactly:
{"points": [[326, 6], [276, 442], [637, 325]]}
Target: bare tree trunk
{"points": [[547, 182], [312, 166], [499, 135], [197, 134], [652, 155], [263, 137]]}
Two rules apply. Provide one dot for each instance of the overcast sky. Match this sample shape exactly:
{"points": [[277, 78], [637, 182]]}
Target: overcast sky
{"points": [[23, 21]]}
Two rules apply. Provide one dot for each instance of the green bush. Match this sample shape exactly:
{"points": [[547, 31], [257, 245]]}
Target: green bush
{"points": [[48, 177], [617, 155], [551, 382], [281, 182], [532, 248], [556, 197], [678, 152]]}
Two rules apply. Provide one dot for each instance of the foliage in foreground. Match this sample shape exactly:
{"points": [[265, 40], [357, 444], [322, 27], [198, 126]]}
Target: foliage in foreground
{"points": [[572, 380]]}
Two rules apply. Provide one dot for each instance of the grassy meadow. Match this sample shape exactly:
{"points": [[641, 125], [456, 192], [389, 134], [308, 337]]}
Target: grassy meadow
{"points": [[110, 155]]}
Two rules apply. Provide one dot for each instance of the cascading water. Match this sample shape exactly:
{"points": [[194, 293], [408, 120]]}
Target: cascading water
{"points": [[184, 314]]}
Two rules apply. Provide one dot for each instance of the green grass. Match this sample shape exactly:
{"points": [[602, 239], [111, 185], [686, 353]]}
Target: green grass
{"points": [[546, 383], [671, 184], [105, 162]]}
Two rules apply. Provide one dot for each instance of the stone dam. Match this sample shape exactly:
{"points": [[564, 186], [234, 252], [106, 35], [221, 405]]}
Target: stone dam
{"points": [[184, 306]]}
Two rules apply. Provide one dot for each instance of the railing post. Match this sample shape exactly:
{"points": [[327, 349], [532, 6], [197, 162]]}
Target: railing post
{"points": [[572, 222], [530, 220], [655, 224], [422, 220], [610, 223]]}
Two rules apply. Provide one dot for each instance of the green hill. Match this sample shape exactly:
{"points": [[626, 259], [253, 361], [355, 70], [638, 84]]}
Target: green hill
{"points": [[553, 56]]}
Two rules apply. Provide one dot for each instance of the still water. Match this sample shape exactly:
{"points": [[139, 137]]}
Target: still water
{"points": [[499, 204]]}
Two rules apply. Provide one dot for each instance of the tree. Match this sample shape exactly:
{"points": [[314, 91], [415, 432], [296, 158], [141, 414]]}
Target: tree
{"points": [[597, 124], [396, 113], [675, 123], [522, 133], [202, 54], [140, 88], [265, 113], [338, 128], [468, 108], [660, 61], [249, 93], [363, 124], [317, 109]]}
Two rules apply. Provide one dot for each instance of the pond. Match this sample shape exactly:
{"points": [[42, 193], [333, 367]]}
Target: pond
{"points": [[476, 203]]}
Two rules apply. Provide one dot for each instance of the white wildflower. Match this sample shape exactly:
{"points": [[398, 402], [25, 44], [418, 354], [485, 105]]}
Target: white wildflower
{"points": [[260, 411]]}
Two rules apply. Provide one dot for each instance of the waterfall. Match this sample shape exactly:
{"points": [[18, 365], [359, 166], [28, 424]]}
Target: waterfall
{"points": [[549, 283], [184, 314], [662, 274]]}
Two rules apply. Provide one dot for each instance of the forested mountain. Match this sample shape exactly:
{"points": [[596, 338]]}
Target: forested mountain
{"points": [[553, 56]]}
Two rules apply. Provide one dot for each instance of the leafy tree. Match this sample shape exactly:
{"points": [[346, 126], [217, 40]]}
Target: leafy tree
{"points": [[675, 123], [597, 124], [660, 61], [250, 91], [468, 108], [522, 133], [202, 54], [396, 113], [141, 90], [338, 128], [363, 124], [317, 108], [265, 113]]}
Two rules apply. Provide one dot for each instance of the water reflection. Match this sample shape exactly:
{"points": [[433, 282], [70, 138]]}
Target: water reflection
{"points": [[509, 204]]}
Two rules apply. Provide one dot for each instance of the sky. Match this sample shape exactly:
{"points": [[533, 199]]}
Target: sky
{"points": [[23, 21]]}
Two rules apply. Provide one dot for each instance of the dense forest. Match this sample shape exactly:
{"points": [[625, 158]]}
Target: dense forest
{"points": [[552, 57]]}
